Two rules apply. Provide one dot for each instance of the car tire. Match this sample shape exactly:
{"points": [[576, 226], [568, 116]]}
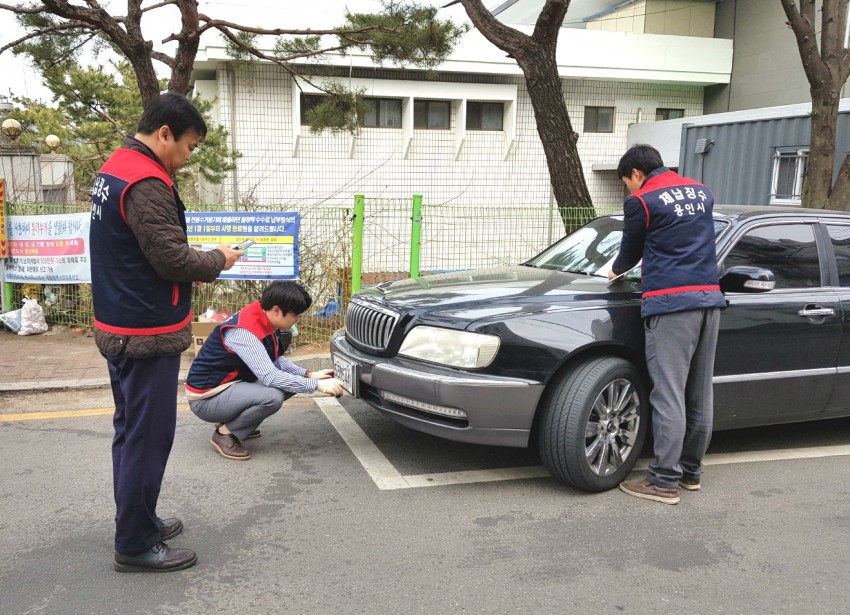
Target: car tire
{"points": [[594, 422]]}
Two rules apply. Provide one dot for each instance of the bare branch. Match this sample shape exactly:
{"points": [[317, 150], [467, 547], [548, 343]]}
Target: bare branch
{"points": [[280, 60], [79, 45], [218, 24], [549, 21], [844, 52], [22, 10], [802, 24], [163, 57], [829, 43], [157, 6], [68, 25], [493, 30]]}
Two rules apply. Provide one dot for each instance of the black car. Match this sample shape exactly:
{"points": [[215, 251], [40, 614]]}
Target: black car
{"points": [[549, 352]]}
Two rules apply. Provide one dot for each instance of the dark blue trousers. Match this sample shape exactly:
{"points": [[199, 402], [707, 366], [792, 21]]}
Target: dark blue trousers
{"points": [[145, 394]]}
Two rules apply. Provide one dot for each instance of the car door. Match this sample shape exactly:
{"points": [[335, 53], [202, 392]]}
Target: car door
{"points": [[839, 240], [777, 351]]}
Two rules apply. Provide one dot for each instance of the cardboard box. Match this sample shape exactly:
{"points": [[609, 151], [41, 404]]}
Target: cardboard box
{"points": [[200, 331]]}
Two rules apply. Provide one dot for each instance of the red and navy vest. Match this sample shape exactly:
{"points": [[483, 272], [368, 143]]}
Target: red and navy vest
{"points": [[679, 268], [129, 297], [216, 364]]}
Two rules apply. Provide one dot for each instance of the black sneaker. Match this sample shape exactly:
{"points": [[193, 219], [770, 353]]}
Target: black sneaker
{"points": [[690, 484], [159, 558]]}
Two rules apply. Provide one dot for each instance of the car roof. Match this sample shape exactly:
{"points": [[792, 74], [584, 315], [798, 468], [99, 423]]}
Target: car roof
{"points": [[741, 212]]}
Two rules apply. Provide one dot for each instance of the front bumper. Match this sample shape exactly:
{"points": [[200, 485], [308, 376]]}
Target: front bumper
{"points": [[499, 411]]}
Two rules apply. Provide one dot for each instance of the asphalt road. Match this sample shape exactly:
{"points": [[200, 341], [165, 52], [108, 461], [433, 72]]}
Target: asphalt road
{"points": [[304, 527]]}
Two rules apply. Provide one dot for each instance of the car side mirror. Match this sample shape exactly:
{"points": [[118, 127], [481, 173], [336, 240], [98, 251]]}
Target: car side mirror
{"points": [[744, 279]]}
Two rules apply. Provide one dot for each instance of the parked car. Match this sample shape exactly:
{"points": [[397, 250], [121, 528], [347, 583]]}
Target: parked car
{"points": [[549, 352]]}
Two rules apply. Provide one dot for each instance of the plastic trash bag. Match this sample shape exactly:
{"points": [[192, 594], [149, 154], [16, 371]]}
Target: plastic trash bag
{"points": [[11, 320], [32, 318]]}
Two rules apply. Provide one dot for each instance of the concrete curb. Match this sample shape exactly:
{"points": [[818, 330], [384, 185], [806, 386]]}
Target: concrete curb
{"points": [[312, 362]]}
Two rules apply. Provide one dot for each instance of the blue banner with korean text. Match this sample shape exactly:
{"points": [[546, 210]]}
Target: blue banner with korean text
{"points": [[274, 256]]}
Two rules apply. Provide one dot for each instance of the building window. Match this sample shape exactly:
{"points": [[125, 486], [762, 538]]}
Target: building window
{"points": [[789, 171], [308, 102], [484, 115], [599, 119], [669, 114], [382, 113], [431, 114]]}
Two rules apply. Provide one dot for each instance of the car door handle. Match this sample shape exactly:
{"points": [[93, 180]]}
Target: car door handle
{"points": [[816, 311]]}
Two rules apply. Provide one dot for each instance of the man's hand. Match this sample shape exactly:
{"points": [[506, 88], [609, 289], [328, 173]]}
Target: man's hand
{"points": [[611, 275], [230, 255], [330, 387], [322, 374]]}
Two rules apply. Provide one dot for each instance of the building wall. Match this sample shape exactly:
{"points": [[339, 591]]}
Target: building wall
{"points": [[256, 107], [766, 67], [676, 17]]}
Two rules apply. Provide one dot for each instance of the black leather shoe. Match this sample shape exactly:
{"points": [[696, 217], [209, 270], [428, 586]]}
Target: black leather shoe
{"points": [[169, 528], [159, 558]]}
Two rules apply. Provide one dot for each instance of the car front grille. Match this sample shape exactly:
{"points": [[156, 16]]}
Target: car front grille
{"points": [[369, 326]]}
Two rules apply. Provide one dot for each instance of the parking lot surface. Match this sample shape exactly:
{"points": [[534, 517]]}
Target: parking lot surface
{"points": [[305, 527]]}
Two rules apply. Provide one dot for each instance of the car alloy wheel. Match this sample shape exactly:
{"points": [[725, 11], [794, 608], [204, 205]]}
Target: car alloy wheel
{"points": [[593, 423], [612, 427]]}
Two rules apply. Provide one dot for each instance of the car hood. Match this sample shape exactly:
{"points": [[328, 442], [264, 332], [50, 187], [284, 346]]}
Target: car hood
{"points": [[482, 293]]}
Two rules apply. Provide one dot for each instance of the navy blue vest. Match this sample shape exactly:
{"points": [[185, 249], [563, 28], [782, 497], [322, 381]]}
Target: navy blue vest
{"points": [[216, 364], [130, 298], [679, 268]]}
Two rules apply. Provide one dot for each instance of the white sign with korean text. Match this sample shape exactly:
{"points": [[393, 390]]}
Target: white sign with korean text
{"points": [[49, 249]]}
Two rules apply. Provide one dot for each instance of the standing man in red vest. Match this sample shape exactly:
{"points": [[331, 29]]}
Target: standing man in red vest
{"points": [[668, 222], [142, 274]]}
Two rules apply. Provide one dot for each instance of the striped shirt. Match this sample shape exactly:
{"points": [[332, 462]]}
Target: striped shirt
{"points": [[282, 374]]}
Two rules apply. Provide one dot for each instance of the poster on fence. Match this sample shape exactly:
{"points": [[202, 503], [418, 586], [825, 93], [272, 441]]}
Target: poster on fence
{"points": [[274, 256], [49, 249]]}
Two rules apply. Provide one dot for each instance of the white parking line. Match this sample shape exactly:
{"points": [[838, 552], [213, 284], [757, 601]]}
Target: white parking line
{"points": [[373, 460], [386, 476]]}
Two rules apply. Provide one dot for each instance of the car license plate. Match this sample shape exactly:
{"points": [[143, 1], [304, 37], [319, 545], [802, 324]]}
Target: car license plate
{"points": [[348, 373]]}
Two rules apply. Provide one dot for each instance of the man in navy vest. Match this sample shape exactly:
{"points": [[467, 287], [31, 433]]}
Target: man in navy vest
{"points": [[240, 377], [668, 222], [142, 274]]}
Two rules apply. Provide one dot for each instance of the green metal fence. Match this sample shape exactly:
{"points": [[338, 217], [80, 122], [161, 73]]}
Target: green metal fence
{"points": [[402, 238], [343, 249]]}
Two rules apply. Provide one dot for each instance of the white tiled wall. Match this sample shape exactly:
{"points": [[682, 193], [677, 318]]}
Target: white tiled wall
{"points": [[255, 106]]}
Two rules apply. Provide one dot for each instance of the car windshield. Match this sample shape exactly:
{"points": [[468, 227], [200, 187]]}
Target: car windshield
{"points": [[591, 250]]}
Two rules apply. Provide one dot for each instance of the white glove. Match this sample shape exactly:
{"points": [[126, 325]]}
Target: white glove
{"points": [[330, 387]]}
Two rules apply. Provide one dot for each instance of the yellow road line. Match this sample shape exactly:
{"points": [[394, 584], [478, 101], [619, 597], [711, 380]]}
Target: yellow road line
{"points": [[67, 414]]}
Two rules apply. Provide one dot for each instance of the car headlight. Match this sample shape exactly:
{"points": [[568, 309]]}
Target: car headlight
{"points": [[450, 347]]}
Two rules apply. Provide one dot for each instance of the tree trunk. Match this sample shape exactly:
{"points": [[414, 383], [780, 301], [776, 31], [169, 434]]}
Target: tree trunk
{"points": [[819, 168], [145, 75], [181, 74], [557, 135], [187, 48]]}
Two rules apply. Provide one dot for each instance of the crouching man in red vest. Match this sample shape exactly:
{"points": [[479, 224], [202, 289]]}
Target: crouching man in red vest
{"points": [[240, 377]]}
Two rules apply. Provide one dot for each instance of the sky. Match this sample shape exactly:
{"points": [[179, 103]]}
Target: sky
{"points": [[20, 79], [17, 77]]}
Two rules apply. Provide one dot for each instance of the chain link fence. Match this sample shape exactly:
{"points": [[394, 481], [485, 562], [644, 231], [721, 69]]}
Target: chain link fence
{"points": [[450, 238]]}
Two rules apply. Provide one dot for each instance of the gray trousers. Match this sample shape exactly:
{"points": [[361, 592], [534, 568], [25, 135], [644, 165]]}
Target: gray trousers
{"points": [[241, 406], [680, 356]]}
